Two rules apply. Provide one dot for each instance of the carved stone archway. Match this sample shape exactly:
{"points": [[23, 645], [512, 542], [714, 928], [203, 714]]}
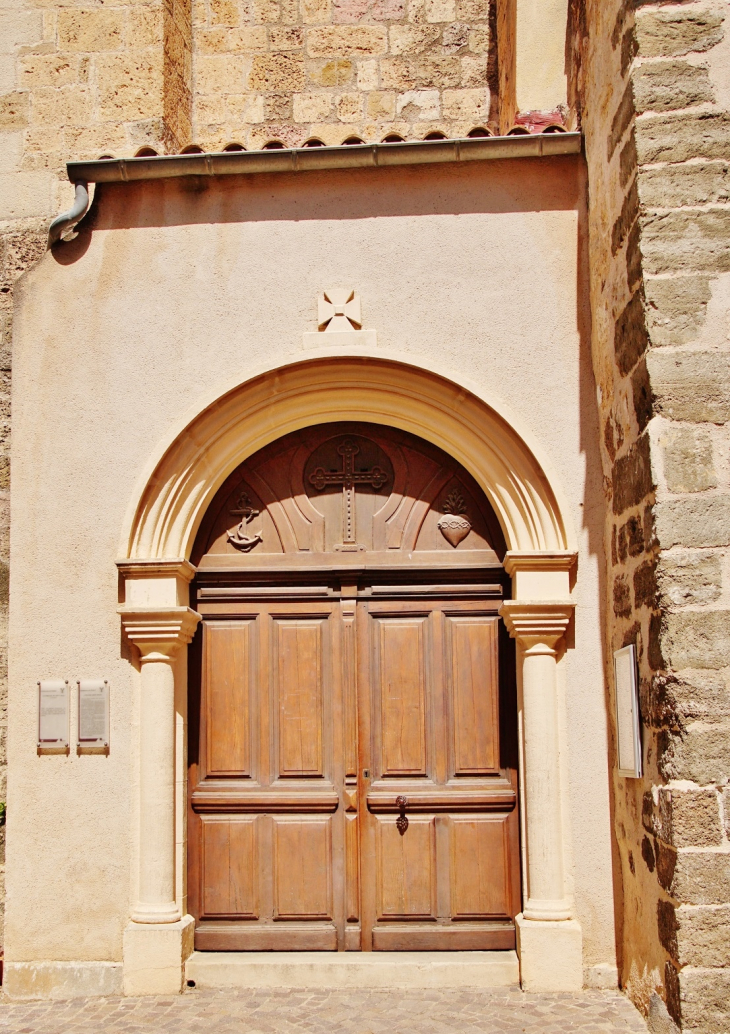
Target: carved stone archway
{"points": [[157, 540]]}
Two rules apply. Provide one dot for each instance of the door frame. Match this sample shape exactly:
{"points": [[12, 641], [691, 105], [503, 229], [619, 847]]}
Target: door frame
{"points": [[164, 513]]}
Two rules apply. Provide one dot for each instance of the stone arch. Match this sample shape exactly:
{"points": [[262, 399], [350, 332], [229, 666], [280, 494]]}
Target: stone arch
{"points": [[174, 496]]}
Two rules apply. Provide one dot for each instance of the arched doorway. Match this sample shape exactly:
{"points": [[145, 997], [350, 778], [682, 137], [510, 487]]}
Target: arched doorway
{"points": [[164, 516], [352, 711]]}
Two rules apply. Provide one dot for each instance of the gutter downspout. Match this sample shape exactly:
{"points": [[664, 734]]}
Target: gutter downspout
{"points": [[66, 221]]}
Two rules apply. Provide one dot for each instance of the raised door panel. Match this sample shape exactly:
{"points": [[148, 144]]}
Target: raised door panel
{"points": [[480, 868], [229, 659], [401, 672], [229, 868], [406, 870], [298, 671], [471, 645], [303, 869]]}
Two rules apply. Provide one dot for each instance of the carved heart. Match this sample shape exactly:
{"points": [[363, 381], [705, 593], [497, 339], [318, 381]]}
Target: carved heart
{"points": [[454, 528]]}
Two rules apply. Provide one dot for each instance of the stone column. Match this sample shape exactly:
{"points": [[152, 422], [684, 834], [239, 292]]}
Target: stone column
{"points": [[549, 939], [157, 634], [158, 938]]}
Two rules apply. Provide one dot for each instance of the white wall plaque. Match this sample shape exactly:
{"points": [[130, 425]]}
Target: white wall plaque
{"points": [[93, 713], [628, 719], [53, 713]]}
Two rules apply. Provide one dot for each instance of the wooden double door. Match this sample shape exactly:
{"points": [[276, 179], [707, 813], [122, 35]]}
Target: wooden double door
{"points": [[352, 772]]}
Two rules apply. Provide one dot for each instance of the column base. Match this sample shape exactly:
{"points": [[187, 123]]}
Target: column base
{"points": [[551, 954], [155, 956]]}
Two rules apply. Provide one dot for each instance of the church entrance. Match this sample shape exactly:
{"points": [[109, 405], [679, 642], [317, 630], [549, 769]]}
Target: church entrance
{"points": [[352, 712]]}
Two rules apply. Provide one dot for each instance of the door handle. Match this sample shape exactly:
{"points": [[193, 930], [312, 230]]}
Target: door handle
{"points": [[401, 823]]}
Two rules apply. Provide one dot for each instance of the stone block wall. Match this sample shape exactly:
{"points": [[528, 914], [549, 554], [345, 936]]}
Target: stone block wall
{"points": [[292, 70], [652, 81]]}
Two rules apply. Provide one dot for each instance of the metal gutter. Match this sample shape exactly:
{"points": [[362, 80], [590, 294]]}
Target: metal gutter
{"points": [[310, 159], [66, 221]]}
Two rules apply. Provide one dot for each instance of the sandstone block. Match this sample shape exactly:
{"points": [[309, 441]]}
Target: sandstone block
{"points": [[697, 639], [380, 106], [688, 461], [286, 38], [367, 75], [630, 337], [224, 12], [689, 578], [388, 10], [25, 195], [416, 105], [677, 138], [130, 85], [290, 12], [277, 107], [421, 73], [632, 477], [339, 72], [670, 85], [219, 74], [705, 993], [266, 11], [455, 37], [344, 11], [703, 934], [472, 10], [347, 40], [702, 877], [466, 104], [19, 28], [682, 240], [144, 27], [440, 10], [479, 40], [14, 111], [277, 72], [316, 12], [474, 73], [692, 386], [672, 33], [674, 186], [676, 308], [349, 107], [250, 39], [91, 30], [700, 754], [696, 823], [311, 107], [701, 695], [48, 70], [69, 105], [412, 39]]}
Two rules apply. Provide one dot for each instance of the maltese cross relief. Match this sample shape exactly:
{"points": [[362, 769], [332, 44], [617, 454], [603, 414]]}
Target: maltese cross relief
{"points": [[338, 310]]}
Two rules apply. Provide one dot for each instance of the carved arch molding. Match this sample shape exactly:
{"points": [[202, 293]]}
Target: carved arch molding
{"points": [[324, 493]]}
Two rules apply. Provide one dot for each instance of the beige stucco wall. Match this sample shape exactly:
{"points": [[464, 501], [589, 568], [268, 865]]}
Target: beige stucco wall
{"points": [[185, 286]]}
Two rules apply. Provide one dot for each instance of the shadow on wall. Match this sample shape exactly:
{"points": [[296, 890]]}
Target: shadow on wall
{"points": [[522, 185]]}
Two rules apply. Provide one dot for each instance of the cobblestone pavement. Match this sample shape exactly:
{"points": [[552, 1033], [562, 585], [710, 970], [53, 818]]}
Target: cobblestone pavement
{"points": [[412, 1011]]}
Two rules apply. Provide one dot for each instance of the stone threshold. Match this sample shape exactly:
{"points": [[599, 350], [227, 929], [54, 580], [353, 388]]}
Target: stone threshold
{"points": [[212, 970]]}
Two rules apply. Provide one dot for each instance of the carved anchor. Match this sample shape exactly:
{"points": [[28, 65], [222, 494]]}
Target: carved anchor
{"points": [[401, 823], [246, 512]]}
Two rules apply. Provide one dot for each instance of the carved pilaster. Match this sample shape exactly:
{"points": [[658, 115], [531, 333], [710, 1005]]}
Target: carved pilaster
{"points": [[157, 633], [538, 628]]}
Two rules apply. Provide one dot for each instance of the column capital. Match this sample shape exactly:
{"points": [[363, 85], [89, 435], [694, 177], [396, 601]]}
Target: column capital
{"points": [[538, 622], [158, 632]]}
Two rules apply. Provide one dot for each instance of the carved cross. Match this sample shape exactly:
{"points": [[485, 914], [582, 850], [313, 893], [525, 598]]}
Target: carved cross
{"points": [[348, 477]]}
